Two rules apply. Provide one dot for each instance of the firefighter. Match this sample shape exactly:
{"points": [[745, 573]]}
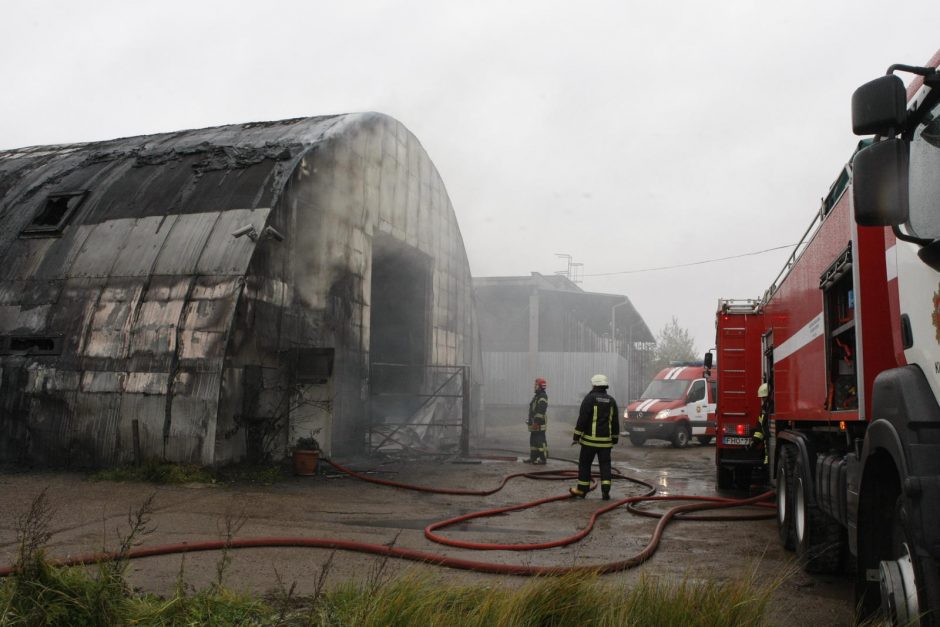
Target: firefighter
{"points": [[597, 431], [538, 408], [760, 434]]}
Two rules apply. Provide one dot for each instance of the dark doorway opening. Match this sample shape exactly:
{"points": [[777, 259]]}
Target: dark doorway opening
{"points": [[399, 325]]}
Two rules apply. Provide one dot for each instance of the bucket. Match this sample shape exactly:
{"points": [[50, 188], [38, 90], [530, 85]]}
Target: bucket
{"points": [[305, 462]]}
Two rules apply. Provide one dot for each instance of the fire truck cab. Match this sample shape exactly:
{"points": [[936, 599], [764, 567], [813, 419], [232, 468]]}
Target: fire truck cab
{"points": [[678, 403]]}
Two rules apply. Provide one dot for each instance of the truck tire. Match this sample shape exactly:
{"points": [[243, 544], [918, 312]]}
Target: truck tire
{"points": [[704, 439], [910, 583], [637, 440], [724, 476], [682, 436], [785, 496], [818, 536], [742, 477]]}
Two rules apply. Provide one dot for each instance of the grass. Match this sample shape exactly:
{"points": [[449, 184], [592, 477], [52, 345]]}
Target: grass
{"points": [[77, 596], [168, 473], [40, 594]]}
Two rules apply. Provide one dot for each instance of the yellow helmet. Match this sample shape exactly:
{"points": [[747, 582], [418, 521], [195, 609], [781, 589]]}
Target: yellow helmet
{"points": [[762, 391]]}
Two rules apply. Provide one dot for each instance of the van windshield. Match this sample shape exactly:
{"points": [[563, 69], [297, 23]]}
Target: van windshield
{"points": [[667, 390]]}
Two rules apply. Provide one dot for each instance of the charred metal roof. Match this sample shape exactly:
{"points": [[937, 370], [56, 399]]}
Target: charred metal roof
{"points": [[239, 166]]}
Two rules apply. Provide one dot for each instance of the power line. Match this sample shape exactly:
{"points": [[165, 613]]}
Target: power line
{"points": [[693, 263]]}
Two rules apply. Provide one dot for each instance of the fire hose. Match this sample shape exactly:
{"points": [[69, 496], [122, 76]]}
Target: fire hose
{"points": [[683, 511]]}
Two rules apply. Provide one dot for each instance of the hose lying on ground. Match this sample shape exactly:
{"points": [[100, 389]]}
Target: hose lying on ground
{"points": [[676, 511]]}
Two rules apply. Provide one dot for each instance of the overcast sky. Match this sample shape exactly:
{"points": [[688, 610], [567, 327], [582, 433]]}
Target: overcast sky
{"points": [[629, 135]]}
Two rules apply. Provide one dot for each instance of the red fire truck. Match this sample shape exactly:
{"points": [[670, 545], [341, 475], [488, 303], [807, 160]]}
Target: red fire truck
{"points": [[739, 328], [847, 339]]}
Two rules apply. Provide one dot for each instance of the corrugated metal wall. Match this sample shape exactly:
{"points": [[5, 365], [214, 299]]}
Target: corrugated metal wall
{"points": [[508, 377], [154, 311]]}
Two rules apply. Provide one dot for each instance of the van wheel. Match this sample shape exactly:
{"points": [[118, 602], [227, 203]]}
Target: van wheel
{"points": [[681, 437], [637, 440], [704, 439]]}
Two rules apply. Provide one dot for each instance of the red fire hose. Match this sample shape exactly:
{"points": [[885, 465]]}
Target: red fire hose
{"points": [[677, 511]]}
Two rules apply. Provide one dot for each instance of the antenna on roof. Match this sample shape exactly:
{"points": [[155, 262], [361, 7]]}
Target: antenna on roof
{"points": [[574, 271]]}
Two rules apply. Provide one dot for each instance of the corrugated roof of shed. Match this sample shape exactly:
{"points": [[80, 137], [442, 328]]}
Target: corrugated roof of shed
{"points": [[154, 203]]}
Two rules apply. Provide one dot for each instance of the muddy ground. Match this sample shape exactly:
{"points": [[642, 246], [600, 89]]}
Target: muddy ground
{"points": [[88, 513]]}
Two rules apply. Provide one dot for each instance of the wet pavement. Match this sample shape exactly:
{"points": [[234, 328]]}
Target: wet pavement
{"points": [[90, 515]]}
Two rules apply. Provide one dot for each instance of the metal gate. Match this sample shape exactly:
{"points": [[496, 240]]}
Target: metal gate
{"points": [[419, 409]]}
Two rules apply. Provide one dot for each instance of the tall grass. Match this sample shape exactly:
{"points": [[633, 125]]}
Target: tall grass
{"points": [[40, 594], [75, 596], [545, 601]]}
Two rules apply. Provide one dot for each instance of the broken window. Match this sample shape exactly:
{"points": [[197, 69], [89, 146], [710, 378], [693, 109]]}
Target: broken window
{"points": [[313, 365], [54, 215], [30, 345]]}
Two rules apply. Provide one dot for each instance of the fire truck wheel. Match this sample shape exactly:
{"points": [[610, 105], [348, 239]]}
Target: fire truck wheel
{"points": [[785, 496], [907, 581], [725, 478], [637, 440], [704, 439], [682, 437], [819, 537], [742, 477]]}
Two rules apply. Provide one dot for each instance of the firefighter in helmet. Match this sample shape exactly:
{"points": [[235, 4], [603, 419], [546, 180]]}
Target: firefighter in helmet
{"points": [[760, 434], [597, 431], [538, 407]]}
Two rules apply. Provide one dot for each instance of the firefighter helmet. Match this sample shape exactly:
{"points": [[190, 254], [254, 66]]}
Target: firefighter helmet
{"points": [[762, 391], [599, 380], [540, 382]]}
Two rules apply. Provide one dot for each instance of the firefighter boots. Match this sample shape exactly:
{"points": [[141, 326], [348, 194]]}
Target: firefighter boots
{"points": [[577, 492]]}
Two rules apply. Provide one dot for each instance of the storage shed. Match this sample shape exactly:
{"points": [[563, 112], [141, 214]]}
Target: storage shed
{"points": [[206, 295]]}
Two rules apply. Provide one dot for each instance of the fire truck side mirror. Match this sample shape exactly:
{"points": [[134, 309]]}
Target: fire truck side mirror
{"points": [[708, 361], [880, 183], [879, 107]]}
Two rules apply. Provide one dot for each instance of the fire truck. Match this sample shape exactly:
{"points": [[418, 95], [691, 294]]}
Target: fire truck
{"points": [[847, 339], [740, 326]]}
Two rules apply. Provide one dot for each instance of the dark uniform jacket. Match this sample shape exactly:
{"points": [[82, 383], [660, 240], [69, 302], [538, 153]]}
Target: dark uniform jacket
{"points": [[537, 409], [598, 421]]}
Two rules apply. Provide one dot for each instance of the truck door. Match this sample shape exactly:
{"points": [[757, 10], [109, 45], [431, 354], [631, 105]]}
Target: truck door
{"points": [[696, 407]]}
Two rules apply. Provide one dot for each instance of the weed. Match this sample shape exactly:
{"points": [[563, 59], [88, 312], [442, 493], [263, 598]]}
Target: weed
{"points": [[32, 534], [167, 473], [232, 524], [282, 597], [156, 472], [40, 594]]}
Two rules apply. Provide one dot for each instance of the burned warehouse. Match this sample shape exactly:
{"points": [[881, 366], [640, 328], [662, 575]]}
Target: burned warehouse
{"points": [[212, 295]]}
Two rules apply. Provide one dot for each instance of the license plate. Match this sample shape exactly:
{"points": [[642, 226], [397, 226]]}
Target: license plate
{"points": [[638, 429], [738, 441]]}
